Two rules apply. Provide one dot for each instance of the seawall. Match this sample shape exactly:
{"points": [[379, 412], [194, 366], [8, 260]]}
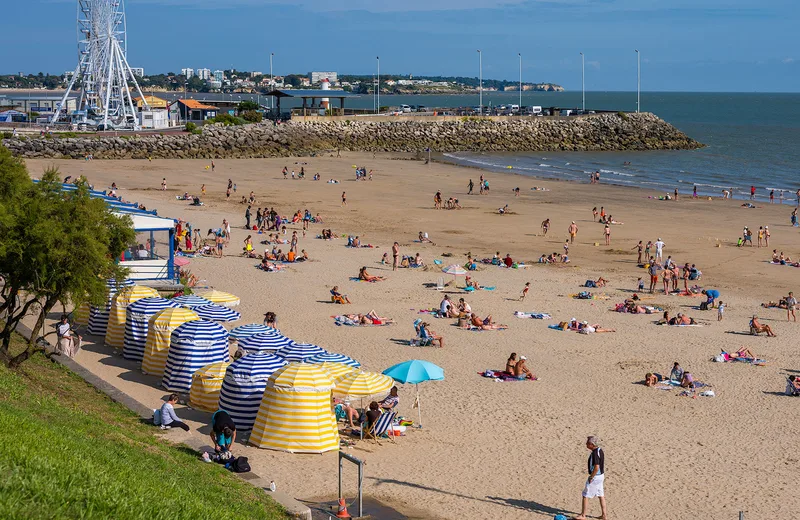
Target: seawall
{"points": [[601, 132]]}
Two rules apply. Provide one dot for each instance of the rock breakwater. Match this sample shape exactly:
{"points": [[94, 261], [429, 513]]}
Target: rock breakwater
{"points": [[602, 132]]}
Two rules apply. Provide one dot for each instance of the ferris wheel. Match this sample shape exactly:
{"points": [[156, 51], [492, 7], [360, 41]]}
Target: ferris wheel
{"points": [[103, 75]]}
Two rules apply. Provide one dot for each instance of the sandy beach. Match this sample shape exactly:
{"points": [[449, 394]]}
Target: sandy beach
{"points": [[511, 449]]}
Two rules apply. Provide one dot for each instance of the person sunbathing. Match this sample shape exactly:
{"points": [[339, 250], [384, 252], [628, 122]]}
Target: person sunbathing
{"points": [[423, 237], [601, 282], [652, 379], [521, 370], [781, 304], [418, 261], [365, 276], [758, 328], [339, 297], [485, 324], [426, 333], [267, 266], [586, 328], [742, 353], [472, 283], [374, 319]]}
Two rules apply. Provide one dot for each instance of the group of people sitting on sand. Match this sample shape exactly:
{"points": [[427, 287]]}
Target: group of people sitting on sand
{"points": [[467, 319], [518, 367], [679, 319], [452, 202], [676, 375], [554, 258], [369, 416], [583, 327], [631, 306], [355, 241], [364, 276], [328, 234], [405, 261], [783, 259]]}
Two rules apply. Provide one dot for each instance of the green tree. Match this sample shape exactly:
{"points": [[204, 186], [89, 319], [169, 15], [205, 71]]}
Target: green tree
{"points": [[246, 105], [57, 247], [251, 116]]}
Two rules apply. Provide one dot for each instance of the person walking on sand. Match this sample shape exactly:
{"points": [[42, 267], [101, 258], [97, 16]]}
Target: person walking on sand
{"points": [[573, 230], [525, 291], [395, 255], [164, 184], [639, 250], [344, 198], [607, 233], [213, 166], [594, 484], [545, 226], [791, 303], [471, 185], [247, 217]]}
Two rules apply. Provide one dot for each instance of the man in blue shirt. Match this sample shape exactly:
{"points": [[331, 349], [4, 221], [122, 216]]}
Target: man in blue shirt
{"points": [[712, 295]]}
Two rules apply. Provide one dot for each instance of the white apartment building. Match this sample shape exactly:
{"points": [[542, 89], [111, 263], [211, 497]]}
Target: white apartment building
{"points": [[204, 74], [188, 73]]}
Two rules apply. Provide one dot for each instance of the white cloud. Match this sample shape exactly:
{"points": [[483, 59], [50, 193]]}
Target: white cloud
{"points": [[788, 60]]}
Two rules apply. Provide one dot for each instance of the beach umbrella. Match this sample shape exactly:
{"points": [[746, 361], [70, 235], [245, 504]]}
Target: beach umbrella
{"points": [[115, 334], [295, 413], [335, 370], [415, 371], [251, 329], [191, 301], [300, 352], [193, 345], [265, 342], [216, 312], [244, 384], [361, 384], [221, 298], [98, 316], [334, 358], [455, 270], [137, 322], [206, 385], [159, 335]]}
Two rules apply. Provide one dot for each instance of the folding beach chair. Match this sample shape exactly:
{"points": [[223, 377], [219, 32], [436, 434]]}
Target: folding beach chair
{"points": [[440, 284], [380, 427], [418, 340]]}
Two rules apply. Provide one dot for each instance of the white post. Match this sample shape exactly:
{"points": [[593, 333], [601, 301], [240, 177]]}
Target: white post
{"points": [[480, 81], [378, 90], [419, 408], [638, 80], [583, 82], [519, 110], [271, 80]]}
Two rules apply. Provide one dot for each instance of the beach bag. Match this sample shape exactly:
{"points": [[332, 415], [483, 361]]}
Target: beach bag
{"points": [[704, 306], [157, 417], [240, 465]]}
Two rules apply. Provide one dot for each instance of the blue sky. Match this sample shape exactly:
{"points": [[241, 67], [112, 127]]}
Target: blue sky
{"points": [[686, 45]]}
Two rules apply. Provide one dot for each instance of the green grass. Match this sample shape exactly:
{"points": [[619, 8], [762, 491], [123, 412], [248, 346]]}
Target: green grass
{"points": [[67, 451]]}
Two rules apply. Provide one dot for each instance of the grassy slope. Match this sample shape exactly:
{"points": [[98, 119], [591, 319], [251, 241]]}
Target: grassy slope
{"points": [[67, 451]]}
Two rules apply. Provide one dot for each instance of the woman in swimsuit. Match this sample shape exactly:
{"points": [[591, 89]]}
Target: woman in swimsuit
{"points": [[511, 364]]}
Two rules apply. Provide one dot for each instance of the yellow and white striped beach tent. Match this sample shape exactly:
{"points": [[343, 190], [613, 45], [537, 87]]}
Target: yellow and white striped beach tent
{"points": [[206, 385], [159, 332], [115, 334], [220, 298], [296, 413], [361, 384], [336, 370], [81, 314]]}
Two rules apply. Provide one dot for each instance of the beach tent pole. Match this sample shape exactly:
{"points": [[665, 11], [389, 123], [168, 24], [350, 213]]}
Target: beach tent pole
{"points": [[419, 408]]}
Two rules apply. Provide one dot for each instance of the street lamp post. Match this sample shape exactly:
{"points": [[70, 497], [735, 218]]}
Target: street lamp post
{"points": [[379, 85], [480, 81], [638, 79], [271, 80], [583, 82], [186, 112], [519, 110]]}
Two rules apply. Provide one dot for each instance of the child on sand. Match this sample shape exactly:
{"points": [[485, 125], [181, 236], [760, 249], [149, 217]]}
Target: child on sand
{"points": [[525, 291], [640, 284], [720, 310]]}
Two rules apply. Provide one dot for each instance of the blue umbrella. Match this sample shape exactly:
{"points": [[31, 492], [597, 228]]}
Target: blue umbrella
{"points": [[251, 329], [216, 312], [191, 301], [330, 357], [415, 371], [300, 352], [265, 341]]}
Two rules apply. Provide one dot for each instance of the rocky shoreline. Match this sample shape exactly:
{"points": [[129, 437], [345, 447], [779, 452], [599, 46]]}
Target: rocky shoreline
{"points": [[602, 132]]}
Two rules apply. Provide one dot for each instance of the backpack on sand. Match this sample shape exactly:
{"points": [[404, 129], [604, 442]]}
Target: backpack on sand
{"points": [[240, 465]]}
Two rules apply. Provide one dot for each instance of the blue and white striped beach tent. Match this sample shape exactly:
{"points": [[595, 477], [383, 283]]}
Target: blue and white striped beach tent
{"points": [[98, 316], [137, 322], [244, 384], [191, 301], [251, 329], [300, 352], [193, 345], [264, 342], [216, 312], [330, 357]]}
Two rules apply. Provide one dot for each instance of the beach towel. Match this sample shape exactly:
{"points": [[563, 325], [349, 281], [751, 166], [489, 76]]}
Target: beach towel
{"points": [[533, 315], [344, 320], [438, 262], [433, 312], [682, 325], [502, 376], [555, 327], [483, 288], [357, 279]]}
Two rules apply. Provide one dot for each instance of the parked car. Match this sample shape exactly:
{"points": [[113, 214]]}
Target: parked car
{"points": [[405, 108]]}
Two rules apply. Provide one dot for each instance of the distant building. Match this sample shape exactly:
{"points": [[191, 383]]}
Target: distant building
{"points": [[191, 110], [138, 71], [214, 84], [188, 73], [13, 116], [219, 76], [204, 74], [41, 103], [305, 82], [153, 119], [256, 73], [316, 77], [153, 102]]}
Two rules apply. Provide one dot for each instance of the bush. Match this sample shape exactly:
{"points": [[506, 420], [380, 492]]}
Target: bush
{"points": [[67, 135], [251, 116], [227, 120], [623, 115], [191, 127], [8, 135]]}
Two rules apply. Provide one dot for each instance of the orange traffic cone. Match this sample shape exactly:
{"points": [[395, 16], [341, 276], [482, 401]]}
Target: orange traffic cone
{"points": [[342, 510]]}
